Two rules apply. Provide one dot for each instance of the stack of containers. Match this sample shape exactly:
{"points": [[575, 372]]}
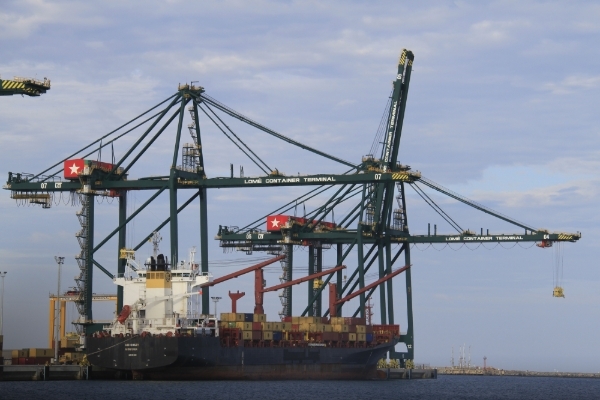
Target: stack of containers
{"points": [[33, 356], [311, 329]]}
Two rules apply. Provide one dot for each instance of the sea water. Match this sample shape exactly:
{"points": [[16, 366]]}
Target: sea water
{"points": [[445, 387]]}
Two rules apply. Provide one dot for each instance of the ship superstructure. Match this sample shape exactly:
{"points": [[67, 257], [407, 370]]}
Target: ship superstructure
{"points": [[159, 299]]}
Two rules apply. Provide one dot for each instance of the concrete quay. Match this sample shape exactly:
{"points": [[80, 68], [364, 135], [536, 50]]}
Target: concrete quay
{"points": [[508, 372]]}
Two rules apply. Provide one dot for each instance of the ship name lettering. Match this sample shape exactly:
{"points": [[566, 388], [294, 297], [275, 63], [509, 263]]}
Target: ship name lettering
{"points": [[247, 181]]}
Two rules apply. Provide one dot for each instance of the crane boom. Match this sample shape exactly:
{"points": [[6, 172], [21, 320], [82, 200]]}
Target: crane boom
{"points": [[25, 86], [243, 271]]}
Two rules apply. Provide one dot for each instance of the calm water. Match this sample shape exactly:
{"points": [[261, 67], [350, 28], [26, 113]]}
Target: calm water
{"points": [[445, 387]]}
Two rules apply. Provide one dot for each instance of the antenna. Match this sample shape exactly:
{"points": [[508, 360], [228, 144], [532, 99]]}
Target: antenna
{"points": [[155, 239]]}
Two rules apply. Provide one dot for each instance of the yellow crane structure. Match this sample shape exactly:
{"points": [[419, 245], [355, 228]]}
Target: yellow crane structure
{"points": [[70, 296]]}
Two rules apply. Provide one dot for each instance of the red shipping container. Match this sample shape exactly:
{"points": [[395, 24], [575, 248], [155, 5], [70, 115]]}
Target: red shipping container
{"points": [[324, 320], [295, 327], [344, 336], [257, 335], [287, 319], [369, 329], [256, 326], [352, 328], [15, 361]]}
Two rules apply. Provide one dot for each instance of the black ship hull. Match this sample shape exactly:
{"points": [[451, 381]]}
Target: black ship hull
{"points": [[203, 357]]}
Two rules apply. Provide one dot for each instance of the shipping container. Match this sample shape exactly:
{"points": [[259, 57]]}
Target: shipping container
{"points": [[231, 324], [296, 320], [352, 337], [310, 320], [331, 336], [240, 317], [286, 326], [369, 328], [277, 336], [14, 353], [267, 335], [266, 326], [247, 335], [341, 328], [244, 326], [248, 317], [344, 336], [304, 327], [287, 319], [226, 317], [69, 342], [256, 335], [295, 328], [256, 326], [35, 352], [40, 360], [327, 328], [23, 353], [368, 337], [259, 318], [315, 328], [361, 337], [387, 329], [361, 329], [354, 321], [324, 320]]}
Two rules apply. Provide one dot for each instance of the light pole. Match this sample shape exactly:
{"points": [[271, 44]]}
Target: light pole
{"points": [[60, 261], [2, 275], [216, 300]]}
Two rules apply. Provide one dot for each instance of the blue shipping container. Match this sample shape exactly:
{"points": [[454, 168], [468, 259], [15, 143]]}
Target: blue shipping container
{"points": [[277, 335], [369, 337], [248, 317]]}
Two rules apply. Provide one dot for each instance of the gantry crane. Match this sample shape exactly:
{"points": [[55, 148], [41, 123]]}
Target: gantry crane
{"points": [[373, 227], [24, 86]]}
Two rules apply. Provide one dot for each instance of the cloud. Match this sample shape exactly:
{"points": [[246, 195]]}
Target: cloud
{"points": [[489, 32], [26, 17], [572, 84]]}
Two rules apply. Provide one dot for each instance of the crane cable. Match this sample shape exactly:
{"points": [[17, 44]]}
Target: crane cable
{"points": [[557, 277]]}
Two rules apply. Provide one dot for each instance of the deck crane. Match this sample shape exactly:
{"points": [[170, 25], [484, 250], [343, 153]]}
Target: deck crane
{"points": [[24, 86], [372, 228]]}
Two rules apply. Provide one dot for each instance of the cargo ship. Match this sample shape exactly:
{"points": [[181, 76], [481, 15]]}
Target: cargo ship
{"points": [[159, 335]]}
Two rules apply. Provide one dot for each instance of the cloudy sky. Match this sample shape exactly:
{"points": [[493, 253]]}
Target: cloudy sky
{"points": [[502, 108]]}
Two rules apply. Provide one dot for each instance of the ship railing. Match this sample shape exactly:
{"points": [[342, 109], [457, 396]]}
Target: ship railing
{"points": [[127, 276], [157, 322]]}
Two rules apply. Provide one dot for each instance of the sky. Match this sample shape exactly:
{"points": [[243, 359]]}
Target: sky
{"points": [[502, 108]]}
